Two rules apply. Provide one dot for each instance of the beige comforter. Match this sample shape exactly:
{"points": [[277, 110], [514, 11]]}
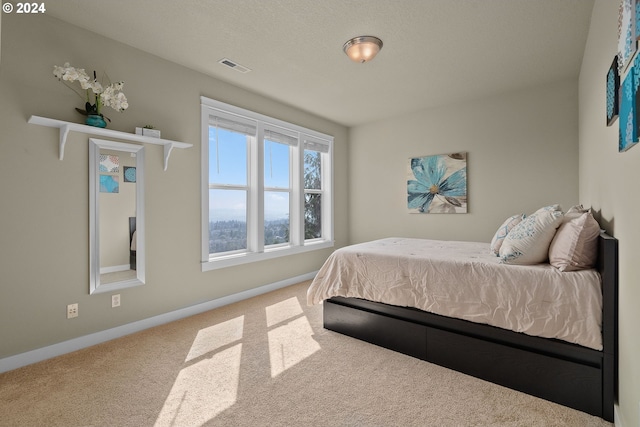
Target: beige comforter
{"points": [[463, 280]]}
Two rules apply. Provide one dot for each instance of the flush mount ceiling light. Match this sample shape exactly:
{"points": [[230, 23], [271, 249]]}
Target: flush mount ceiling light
{"points": [[363, 48]]}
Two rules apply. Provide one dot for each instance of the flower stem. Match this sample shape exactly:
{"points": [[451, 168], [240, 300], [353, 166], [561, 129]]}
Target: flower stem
{"points": [[74, 90]]}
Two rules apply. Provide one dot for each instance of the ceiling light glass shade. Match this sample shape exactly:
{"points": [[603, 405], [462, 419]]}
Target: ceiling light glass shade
{"points": [[363, 48]]}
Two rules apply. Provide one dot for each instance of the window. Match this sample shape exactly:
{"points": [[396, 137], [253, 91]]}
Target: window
{"points": [[314, 188], [266, 187]]}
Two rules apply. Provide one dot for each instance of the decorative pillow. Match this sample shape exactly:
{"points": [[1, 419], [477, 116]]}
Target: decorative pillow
{"points": [[528, 242], [502, 232], [549, 208], [575, 245], [577, 209]]}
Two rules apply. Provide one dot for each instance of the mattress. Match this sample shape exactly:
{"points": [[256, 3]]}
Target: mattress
{"points": [[465, 281]]}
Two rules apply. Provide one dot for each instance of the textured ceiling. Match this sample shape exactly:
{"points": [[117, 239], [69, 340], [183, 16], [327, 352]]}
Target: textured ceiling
{"points": [[435, 51]]}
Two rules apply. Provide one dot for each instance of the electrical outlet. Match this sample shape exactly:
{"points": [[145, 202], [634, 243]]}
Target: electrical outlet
{"points": [[115, 300], [72, 311]]}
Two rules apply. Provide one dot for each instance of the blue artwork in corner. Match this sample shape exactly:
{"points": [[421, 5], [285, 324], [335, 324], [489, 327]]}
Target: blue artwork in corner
{"points": [[628, 134], [628, 67], [613, 90], [636, 23], [627, 32], [109, 184]]}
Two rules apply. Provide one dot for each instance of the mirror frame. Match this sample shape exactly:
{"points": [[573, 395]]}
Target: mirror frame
{"points": [[95, 287]]}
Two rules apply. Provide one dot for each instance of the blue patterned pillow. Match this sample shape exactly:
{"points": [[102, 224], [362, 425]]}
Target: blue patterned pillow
{"points": [[528, 242], [502, 232]]}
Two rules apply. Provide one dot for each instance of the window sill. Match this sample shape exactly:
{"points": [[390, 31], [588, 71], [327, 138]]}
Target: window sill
{"points": [[245, 258]]}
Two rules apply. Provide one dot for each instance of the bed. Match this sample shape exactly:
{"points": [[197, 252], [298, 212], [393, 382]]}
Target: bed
{"points": [[573, 363], [133, 240]]}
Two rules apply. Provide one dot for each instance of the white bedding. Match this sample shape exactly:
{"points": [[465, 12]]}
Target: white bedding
{"points": [[463, 280]]}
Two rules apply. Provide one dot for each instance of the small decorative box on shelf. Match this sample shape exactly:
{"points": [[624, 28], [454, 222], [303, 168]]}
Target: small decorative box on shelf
{"points": [[153, 133]]}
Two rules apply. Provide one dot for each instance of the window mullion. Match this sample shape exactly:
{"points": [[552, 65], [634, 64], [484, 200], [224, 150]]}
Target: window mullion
{"points": [[257, 191], [297, 195], [327, 196]]}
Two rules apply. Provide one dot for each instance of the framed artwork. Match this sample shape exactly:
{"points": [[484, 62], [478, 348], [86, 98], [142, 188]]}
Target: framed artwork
{"points": [[109, 183], [627, 33], [437, 184], [635, 12], [613, 89], [109, 163], [628, 133], [129, 173]]}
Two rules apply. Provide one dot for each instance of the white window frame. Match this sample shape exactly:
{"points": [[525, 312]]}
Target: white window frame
{"points": [[256, 251]]}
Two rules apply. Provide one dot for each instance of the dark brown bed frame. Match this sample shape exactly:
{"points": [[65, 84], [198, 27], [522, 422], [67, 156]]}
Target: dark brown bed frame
{"points": [[132, 254], [565, 373]]}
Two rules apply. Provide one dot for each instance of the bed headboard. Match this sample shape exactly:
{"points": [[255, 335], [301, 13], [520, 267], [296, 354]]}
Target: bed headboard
{"points": [[132, 227], [608, 267]]}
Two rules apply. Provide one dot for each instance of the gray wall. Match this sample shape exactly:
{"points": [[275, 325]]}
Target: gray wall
{"points": [[608, 183], [44, 216], [522, 154]]}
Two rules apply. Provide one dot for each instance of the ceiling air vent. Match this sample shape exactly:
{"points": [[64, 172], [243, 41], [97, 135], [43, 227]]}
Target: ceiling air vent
{"points": [[234, 65]]}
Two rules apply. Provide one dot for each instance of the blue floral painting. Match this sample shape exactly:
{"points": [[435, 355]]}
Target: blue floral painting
{"points": [[437, 184]]}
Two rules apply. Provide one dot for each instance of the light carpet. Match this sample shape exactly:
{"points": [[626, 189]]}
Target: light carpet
{"points": [[265, 361]]}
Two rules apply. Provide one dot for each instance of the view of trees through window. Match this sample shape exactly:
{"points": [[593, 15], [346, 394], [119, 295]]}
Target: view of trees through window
{"points": [[312, 200], [228, 192]]}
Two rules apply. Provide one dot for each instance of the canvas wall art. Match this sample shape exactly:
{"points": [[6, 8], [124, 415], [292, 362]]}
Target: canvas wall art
{"points": [[129, 173], [627, 33], [437, 184], [628, 131], [613, 90], [109, 184], [109, 163]]}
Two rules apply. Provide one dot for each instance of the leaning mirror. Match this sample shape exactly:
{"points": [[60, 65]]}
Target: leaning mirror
{"points": [[116, 216]]}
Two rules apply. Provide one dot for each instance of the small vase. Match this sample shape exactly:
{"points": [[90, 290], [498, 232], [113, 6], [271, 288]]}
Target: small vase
{"points": [[95, 120]]}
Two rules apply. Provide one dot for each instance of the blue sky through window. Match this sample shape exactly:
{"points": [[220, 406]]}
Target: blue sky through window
{"points": [[228, 165], [276, 174], [227, 158]]}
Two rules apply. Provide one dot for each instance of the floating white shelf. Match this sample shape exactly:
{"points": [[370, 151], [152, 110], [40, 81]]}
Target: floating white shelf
{"points": [[66, 127]]}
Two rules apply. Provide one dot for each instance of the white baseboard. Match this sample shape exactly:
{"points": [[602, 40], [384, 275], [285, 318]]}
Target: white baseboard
{"points": [[617, 421], [44, 353]]}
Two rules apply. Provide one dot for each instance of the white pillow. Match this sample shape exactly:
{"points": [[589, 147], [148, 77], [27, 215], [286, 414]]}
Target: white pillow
{"points": [[502, 232], [576, 211], [528, 242], [550, 208], [575, 245]]}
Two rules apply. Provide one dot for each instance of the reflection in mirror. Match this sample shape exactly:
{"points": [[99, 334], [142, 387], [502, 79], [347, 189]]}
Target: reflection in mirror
{"points": [[116, 215]]}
